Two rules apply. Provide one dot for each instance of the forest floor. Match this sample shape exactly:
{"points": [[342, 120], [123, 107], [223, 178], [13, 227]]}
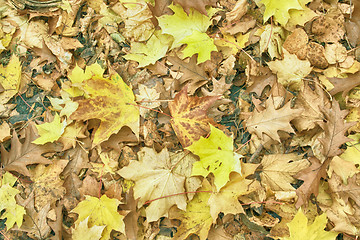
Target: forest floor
{"points": [[179, 119]]}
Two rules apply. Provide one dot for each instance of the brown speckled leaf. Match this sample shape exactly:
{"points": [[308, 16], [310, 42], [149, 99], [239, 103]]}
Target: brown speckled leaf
{"points": [[190, 120], [110, 101], [26, 153]]}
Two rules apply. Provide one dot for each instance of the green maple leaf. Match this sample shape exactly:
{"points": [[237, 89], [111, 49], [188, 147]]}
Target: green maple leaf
{"points": [[100, 212], [200, 43], [151, 51], [299, 228], [216, 156], [280, 9]]}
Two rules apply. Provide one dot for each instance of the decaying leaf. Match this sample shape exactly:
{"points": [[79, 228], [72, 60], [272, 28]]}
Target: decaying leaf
{"points": [[111, 101], [189, 116]]}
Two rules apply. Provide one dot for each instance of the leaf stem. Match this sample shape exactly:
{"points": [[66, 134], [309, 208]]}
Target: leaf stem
{"points": [[150, 109]]}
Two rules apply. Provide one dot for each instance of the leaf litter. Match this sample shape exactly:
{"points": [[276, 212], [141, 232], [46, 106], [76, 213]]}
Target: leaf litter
{"points": [[160, 119]]}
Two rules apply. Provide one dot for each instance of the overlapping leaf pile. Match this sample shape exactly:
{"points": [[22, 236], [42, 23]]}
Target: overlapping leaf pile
{"points": [[180, 119]]}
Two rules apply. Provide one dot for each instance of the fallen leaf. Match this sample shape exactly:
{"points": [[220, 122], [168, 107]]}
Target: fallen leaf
{"points": [[300, 229], [197, 5], [111, 101], [279, 9], [83, 231], [279, 169], [100, 212], [50, 132], [154, 178], [291, 70], [311, 177], [216, 156], [10, 77], [272, 120], [189, 116], [196, 219], [26, 153]]}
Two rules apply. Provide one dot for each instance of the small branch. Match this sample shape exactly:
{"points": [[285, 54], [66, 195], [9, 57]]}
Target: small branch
{"points": [[256, 153]]}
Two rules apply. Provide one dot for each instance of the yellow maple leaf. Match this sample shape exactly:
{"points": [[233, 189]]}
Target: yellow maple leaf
{"points": [[291, 70], [13, 213], [100, 212], [279, 9], [112, 102], [84, 232], [50, 132], [216, 156], [226, 200], [154, 178], [10, 77], [299, 228], [197, 218]]}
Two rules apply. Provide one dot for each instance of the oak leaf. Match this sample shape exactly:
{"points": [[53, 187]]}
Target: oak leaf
{"points": [[271, 120], [300, 229], [335, 129], [189, 118], [216, 156], [24, 153], [112, 102], [311, 177], [155, 177], [194, 76], [100, 212], [312, 101], [344, 85], [279, 169], [196, 219]]}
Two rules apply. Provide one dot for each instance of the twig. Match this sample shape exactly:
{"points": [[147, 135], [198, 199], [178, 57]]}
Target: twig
{"points": [[256, 153]]}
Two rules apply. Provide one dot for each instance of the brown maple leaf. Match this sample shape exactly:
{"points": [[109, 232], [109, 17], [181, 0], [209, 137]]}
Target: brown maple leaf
{"points": [[160, 8], [311, 177], [335, 129], [197, 4], [271, 120], [189, 118], [344, 85], [26, 153], [194, 74]]}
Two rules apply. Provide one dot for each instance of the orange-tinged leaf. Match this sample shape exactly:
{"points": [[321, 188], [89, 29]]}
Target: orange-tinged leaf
{"points": [[189, 118], [112, 102], [100, 212]]}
